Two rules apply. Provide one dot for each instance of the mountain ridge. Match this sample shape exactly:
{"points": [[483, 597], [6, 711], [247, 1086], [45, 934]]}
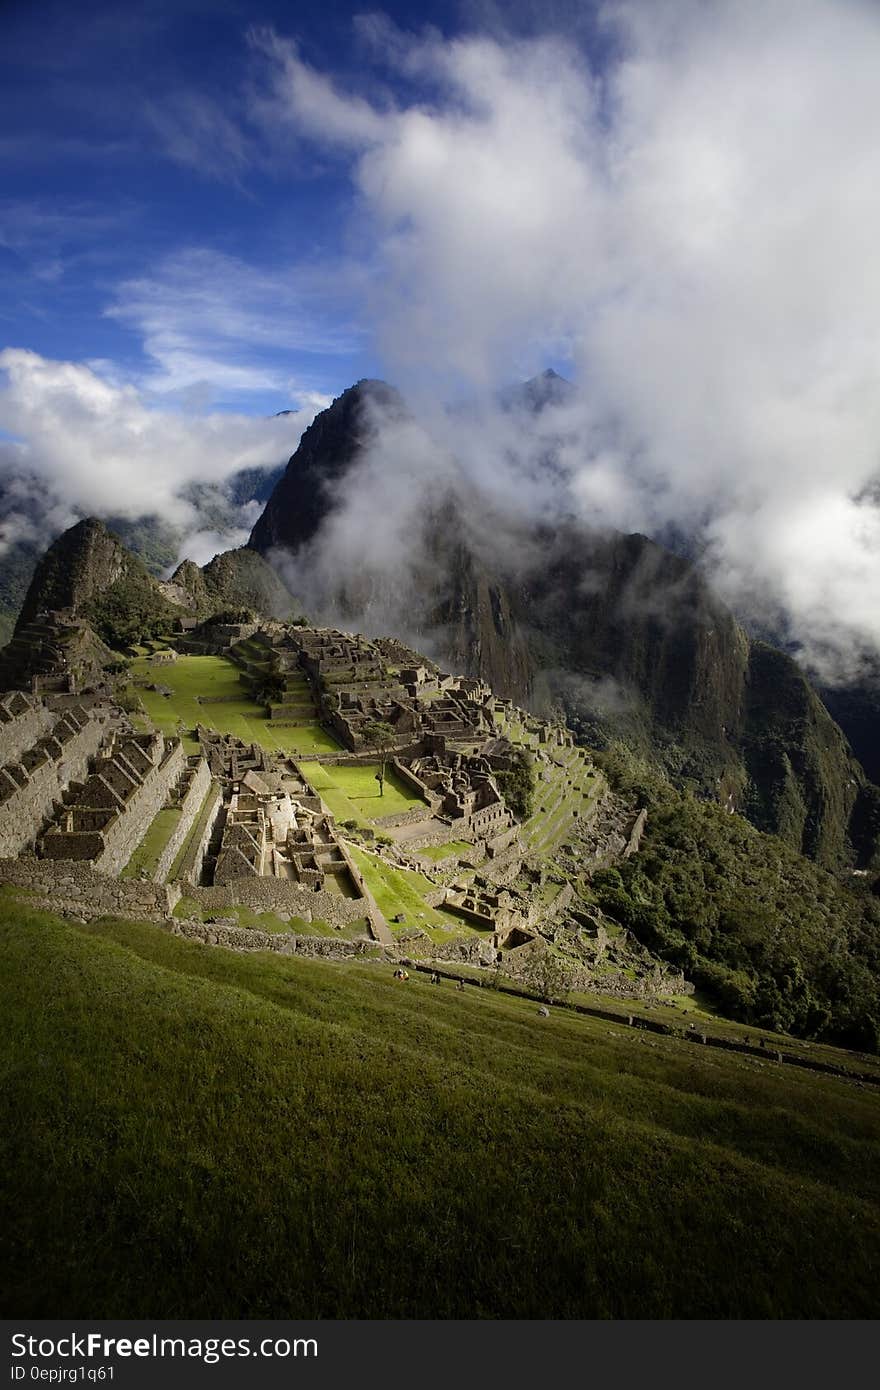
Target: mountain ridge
{"points": [[620, 633]]}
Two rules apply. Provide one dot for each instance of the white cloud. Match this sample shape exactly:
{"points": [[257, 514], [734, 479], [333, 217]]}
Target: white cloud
{"points": [[94, 446], [219, 326], [195, 131], [202, 546], [696, 227]]}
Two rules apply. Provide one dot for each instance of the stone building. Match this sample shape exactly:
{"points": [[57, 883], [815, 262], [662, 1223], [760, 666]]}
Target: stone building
{"points": [[273, 824], [23, 719], [34, 783], [274, 833], [105, 818], [459, 789]]}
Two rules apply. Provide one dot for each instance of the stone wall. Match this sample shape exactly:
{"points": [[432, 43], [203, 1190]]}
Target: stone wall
{"points": [[636, 832], [285, 943], [65, 886], [34, 790], [125, 832], [496, 844], [414, 816], [190, 871], [23, 720], [263, 894], [189, 809], [541, 913], [415, 784]]}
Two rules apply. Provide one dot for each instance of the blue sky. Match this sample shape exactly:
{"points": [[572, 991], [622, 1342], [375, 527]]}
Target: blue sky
{"points": [[143, 184], [210, 212]]}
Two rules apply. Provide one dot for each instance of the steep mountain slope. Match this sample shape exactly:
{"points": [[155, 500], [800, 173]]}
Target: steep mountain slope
{"points": [[235, 579], [856, 707], [82, 566], [327, 450], [623, 635], [27, 523]]}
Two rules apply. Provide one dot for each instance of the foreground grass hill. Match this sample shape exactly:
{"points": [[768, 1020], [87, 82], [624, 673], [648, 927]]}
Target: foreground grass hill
{"points": [[188, 1132]]}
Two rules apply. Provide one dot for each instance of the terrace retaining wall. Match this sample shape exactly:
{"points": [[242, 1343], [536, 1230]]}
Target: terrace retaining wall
{"points": [[189, 809], [24, 812], [235, 938], [64, 885]]}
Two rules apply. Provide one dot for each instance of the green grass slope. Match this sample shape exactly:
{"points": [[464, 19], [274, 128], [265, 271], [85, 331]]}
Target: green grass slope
{"points": [[187, 1132], [209, 690]]}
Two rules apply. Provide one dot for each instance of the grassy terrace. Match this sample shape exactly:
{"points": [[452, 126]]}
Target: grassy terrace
{"points": [[148, 852], [404, 890], [352, 793], [275, 1133], [193, 839], [556, 803], [228, 707], [438, 852]]}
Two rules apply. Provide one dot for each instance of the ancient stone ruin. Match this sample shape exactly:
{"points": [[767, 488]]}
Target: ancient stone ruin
{"points": [[104, 818]]}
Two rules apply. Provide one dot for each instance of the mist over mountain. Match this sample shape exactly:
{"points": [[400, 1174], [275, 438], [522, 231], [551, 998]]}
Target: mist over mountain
{"points": [[169, 487], [384, 523]]}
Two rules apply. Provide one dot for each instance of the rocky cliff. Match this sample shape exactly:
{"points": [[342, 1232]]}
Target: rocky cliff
{"points": [[331, 444]]}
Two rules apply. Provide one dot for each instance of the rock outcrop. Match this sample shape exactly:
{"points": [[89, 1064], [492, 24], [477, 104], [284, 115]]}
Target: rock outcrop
{"points": [[83, 563], [235, 579]]}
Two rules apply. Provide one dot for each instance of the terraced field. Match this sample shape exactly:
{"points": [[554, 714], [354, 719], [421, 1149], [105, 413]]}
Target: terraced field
{"points": [[570, 792], [210, 690]]}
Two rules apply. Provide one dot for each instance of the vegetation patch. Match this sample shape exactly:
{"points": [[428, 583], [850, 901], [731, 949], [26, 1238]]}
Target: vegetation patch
{"points": [[352, 793], [453, 847], [402, 892], [227, 707], [149, 851], [771, 937], [276, 1133]]}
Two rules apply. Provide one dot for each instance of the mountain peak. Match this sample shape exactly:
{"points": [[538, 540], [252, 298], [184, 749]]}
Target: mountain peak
{"points": [[326, 451], [80, 563], [547, 388]]}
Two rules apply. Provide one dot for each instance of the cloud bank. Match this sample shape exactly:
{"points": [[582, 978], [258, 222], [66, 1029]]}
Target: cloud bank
{"points": [[693, 224], [84, 444]]}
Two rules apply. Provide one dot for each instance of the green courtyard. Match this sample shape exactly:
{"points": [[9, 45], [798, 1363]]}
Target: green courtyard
{"points": [[352, 793], [210, 690]]}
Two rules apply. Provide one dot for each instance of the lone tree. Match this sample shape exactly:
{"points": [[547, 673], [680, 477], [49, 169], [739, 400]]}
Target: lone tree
{"points": [[517, 786], [380, 737], [547, 975]]}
